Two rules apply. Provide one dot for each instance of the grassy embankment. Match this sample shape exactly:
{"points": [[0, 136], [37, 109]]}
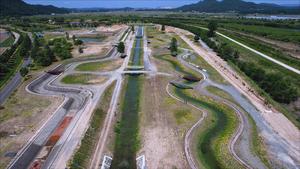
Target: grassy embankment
{"points": [[257, 144], [213, 142], [82, 157], [84, 79], [108, 65]]}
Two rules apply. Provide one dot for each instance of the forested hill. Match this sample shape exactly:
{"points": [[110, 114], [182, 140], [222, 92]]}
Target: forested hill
{"points": [[239, 6], [20, 8]]}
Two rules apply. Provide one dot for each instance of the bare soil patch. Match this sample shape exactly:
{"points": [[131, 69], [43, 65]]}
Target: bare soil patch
{"points": [[162, 131], [90, 50], [113, 28]]}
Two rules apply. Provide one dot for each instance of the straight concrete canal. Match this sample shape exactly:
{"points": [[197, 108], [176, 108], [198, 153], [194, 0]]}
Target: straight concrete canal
{"points": [[136, 59], [127, 128]]}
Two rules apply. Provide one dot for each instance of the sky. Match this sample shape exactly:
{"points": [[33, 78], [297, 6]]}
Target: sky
{"points": [[135, 3]]}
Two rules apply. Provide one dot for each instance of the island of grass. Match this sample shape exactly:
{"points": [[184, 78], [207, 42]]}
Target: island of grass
{"points": [[85, 79], [108, 65]]}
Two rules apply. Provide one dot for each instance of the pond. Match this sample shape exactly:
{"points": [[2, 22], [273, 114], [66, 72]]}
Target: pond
{"points": [[87, 40]]}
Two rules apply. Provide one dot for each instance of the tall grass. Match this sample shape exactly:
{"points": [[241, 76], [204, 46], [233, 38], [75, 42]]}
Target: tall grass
{"points": [[127, 140]]}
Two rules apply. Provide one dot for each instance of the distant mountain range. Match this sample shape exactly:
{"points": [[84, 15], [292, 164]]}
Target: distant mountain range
{"points": [[20, 8], [239, 6]]}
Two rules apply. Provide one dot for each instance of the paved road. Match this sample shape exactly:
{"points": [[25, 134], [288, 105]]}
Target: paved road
{"points": [[13, 83], [257, 52]]}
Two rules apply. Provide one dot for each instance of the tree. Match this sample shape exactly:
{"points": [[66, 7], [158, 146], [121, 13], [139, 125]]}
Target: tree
{"points": [[74, 38], [236, 54], [173, 46], [121, 47], [24, 71], [225, 52], [80, 50], [67, 35], [43, 60], [3, 69], [132, 28], [196, 38], [212, 27], [48, 53], [163, 28], [25, 46]]}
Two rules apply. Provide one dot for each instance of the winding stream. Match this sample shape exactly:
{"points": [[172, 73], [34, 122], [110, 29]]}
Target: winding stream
{"points": [[275, 144]]}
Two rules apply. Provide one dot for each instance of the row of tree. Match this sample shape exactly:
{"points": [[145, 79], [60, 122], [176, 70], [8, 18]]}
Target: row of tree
{"points": [[12, 57], [278, 86]]}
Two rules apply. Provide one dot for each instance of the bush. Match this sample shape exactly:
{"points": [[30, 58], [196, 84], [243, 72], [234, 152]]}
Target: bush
{"points": [[24, 71], [78, 42], [196, 38]]}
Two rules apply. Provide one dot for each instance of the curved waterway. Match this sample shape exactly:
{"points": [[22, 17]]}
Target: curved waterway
{"points": [[277, 146]]}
